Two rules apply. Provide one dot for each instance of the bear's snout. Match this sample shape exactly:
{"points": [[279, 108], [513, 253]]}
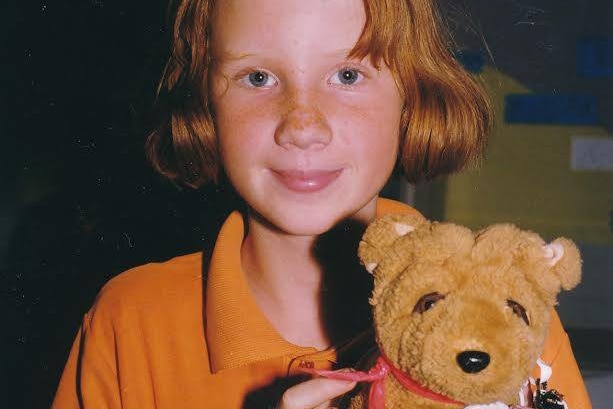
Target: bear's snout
{"points": [[473, 361]]}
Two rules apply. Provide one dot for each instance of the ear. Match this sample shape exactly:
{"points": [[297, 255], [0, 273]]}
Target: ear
{"points": [[563, 257], [381, 234]]}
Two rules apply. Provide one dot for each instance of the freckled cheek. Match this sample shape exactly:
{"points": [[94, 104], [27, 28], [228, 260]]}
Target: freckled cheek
{"points": [[369, 131], [243, 125]]}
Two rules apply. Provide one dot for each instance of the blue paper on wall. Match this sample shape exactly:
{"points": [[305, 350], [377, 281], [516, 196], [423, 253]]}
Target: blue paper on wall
{"points": [[595, 57], [562, 109]]}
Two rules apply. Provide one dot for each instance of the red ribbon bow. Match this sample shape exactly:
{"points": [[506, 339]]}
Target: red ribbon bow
{"points": [[375, 375]]}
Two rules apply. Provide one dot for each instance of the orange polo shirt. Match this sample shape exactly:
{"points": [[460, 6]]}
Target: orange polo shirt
{"points": [[151, 340]]}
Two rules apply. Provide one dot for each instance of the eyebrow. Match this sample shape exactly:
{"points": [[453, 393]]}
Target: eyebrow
{"points": [[344, 52], [225, 55], [229, 56]]}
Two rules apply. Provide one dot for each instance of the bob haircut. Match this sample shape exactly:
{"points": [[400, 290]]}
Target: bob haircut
{"points": [[445, 122]]}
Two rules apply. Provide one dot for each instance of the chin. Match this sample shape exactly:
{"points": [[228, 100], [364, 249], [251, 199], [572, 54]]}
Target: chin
{"points": [[313, 220]]}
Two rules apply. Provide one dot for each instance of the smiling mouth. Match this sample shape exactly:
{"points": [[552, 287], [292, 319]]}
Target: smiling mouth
{"points": [[306, 181]]}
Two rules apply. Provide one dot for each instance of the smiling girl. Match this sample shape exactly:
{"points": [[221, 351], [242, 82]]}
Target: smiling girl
{"points": [[305, 107]]}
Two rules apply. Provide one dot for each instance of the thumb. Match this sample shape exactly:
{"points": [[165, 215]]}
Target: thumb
{"points": [[314, 393]]}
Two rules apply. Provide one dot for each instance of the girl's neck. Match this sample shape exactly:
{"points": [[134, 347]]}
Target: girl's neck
{"points": [[285, 279], [294, 279]]}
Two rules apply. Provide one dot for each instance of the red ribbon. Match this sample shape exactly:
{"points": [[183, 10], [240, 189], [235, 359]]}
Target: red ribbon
{"points": [[376, 375]]}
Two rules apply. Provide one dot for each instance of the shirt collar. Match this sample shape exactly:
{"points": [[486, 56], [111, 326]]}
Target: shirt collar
{"points": [[237, 332]]}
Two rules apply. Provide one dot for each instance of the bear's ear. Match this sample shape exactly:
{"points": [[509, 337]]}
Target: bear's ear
{"points": [[381, 234], [564, 260]]}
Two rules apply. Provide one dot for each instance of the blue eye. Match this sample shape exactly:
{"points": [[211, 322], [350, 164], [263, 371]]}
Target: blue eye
{"points": [[258, 79], [348, 76]]}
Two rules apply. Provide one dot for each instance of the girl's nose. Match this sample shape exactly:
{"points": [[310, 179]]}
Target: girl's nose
{"points": [[303, 128]]}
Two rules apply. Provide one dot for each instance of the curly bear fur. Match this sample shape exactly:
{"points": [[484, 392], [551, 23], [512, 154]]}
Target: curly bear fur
{"points": [[489, 291]]}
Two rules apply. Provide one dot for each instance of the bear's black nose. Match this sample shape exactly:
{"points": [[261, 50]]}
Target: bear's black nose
{"points": [[473, 361]]}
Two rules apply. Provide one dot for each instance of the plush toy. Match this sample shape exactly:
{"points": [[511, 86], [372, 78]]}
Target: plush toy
{"points": [[460, 316]]}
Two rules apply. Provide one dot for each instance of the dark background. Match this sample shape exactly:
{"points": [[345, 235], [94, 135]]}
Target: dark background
{"points": [[79, 204]]}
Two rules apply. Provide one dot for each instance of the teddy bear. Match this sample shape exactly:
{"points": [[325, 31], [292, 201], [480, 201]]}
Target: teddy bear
{"points": [[460, 317]]}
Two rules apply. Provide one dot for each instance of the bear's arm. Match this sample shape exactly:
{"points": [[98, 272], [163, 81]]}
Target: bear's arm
{"points": [[565, 377]]}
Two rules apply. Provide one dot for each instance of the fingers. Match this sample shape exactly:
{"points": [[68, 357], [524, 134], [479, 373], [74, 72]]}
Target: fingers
{"points": [[314, 394]]}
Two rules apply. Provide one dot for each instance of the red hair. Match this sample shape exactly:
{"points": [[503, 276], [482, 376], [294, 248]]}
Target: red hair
{"points": [[445, 123]]}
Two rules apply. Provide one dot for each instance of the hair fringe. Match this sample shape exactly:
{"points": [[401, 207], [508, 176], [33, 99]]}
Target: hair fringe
{"points": [[445, 123]]}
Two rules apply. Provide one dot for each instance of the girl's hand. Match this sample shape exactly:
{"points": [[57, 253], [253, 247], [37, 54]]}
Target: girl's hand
{"points": [[314, 394]]}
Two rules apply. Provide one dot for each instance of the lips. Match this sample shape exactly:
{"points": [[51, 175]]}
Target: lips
{"points": [[306, 181]]}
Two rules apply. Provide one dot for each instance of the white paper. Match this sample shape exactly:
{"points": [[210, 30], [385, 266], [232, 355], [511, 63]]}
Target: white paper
{"points": [[589, 153]]}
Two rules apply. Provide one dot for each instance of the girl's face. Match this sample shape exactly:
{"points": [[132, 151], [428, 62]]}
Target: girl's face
{"points": [[307, 137]]}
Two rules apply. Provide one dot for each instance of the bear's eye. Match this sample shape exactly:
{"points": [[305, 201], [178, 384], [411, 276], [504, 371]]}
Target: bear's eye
{"points": [[518, 310], [427, 301]]}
